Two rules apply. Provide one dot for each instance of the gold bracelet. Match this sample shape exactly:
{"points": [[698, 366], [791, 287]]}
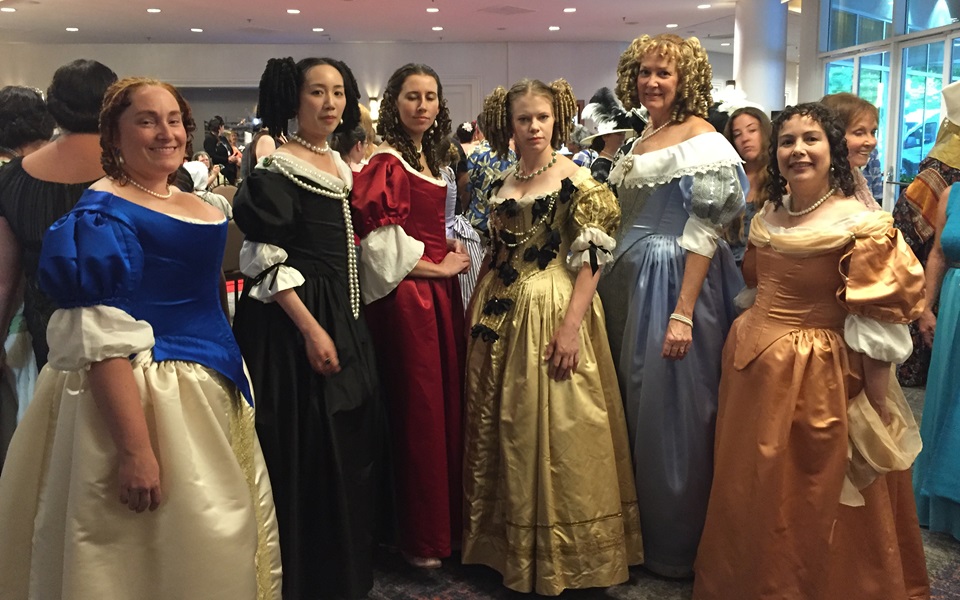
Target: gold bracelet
{"points": [[682, 319]]}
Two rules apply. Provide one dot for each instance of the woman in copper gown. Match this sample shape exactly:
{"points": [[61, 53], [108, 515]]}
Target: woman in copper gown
{"points": [[811, 495]]}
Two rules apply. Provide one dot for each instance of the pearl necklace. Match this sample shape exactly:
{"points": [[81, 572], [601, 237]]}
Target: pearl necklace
{"points": [[653, 132], [342, 194], [522, 237], [315, 149], [520, 177], [812, 207], [151, 192]]}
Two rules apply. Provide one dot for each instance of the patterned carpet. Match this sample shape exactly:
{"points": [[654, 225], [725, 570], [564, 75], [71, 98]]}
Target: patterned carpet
{"points": [[397, 581]]}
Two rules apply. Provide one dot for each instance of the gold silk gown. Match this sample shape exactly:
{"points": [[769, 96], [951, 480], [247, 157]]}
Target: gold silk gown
{"points": [[790, 410], [550, 500]]}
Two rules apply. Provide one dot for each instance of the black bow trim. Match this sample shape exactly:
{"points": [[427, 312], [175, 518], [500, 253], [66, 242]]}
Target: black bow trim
{"points": [[507, 274], [540, 206], [272, 269], [594, 261], [508, 207], [485, 333], [497, 306], [566, 190], [545, 253]]}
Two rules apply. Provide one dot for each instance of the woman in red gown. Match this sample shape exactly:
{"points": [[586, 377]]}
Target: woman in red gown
{"points": [[408, 280]]}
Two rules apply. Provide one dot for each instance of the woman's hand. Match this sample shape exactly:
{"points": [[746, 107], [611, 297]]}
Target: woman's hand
{"points": [[927, 324], [322, 352], [139, 475], [880, 405], [455, 263], [456, 246], [563, 352], [677, 340]]}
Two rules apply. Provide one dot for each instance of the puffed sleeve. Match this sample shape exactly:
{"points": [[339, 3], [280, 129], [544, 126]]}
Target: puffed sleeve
{"points": [[883, 291], [266, 209], [381, 205], [712, 199], [89, 265], [596, 216]]}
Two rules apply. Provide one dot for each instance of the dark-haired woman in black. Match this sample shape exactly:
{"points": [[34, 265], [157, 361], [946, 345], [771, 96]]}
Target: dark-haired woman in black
{"points": [[38, 189], [303, 337]]}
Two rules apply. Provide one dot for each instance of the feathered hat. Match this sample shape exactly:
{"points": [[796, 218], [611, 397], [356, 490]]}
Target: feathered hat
{"points": [[604, 115]]}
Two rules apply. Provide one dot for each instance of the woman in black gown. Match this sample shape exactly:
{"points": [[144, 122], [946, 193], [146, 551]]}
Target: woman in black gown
{"points": [[301, 332]]}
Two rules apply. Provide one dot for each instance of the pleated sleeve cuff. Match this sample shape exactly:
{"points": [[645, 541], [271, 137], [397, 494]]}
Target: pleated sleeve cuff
{"points": [[592, 246], [88, 334], [699, 237], [889, 342], [387, 255], [265, 264]]}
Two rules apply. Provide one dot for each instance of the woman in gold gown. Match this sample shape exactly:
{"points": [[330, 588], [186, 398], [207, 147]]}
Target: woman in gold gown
{"points": [[811, 492], [549, 497]]}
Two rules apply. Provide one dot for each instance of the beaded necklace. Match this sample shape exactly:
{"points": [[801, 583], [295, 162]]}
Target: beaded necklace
{"points": [[812, 207], [522, 237], [315, 149], [343, 195], [151, 192], [520, 177]]}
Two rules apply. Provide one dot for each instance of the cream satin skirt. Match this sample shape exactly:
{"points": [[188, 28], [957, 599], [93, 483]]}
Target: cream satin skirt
{"points": [[65, 534]]}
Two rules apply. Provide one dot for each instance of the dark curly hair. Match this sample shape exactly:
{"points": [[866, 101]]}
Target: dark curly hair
{"points": [[115, 102], [841, 177], [497, 112], [694, 73], [76, 93], [24, 118], [280, 87], [391, 129]]}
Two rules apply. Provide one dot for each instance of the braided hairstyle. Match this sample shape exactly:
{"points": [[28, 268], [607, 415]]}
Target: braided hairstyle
{"points": [[693, 71], [24, 118], [76, 93], [391, 129], [497, 117], [841, 176], [115, 102], [280, 87]]}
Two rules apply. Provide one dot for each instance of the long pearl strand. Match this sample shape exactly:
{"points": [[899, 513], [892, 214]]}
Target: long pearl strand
{"points": [[343, 194]]}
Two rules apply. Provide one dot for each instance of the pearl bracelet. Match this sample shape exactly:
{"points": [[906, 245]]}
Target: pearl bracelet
{"points": [[682, 319]]}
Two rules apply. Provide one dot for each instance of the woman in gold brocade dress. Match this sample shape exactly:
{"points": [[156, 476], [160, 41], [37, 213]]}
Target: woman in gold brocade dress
{"points": [[550, 500], [807, 385]]}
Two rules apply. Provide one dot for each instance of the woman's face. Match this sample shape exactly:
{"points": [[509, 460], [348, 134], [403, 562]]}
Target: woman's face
{"points": [[861, 137], [747, 137], [418, 104], [531, 117], [322, 100], [657, 83], [803, 151], [204, 159], [151, 134], [612, 142]]}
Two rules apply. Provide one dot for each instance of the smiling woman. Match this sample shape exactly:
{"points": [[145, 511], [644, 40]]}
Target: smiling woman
{"points": [[859, 120], [135, 268]]}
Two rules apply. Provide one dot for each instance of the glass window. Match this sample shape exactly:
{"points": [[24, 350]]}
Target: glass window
{"points": [[928, 14], [922, 81], [955, 61], [839, 76], [874, 82], [854, 22]]}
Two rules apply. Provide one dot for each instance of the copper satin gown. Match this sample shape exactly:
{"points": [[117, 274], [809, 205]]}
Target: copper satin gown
{"points": [[775, 527]]}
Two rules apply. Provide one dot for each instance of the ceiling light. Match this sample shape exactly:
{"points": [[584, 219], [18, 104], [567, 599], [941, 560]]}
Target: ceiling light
{"points": [[197, 30], [569, 10], [553, 28], [671, 25], [433, 10], [318, 29], [72, 29], [153, 10], [703, 6], [725, 44], [7, 9], [438, 28], [293, 11]]}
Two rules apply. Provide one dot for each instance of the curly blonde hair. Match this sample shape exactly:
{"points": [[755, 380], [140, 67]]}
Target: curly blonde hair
{"points": [[693, 71], [497, 116]]}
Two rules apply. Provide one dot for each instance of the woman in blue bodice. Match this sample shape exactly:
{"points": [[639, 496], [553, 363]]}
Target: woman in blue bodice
{"points": [[136, 472]]}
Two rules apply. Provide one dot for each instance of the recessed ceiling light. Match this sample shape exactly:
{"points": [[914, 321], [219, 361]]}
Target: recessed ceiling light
{"points": [[725, 44], [569, 10], [72, 29], [293, 11], [438, 28], [433, 10], [318, 29], [197, 30], [703, 6], [7, 9], [671, 25], [553, 28], [153, 10]]}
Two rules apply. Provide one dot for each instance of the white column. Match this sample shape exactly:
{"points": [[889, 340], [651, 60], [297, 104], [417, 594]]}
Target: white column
{"points": [[810, 88], [760, 51]]}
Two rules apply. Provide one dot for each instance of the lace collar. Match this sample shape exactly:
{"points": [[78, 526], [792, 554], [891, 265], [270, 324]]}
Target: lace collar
{"points": [[699, 154]]}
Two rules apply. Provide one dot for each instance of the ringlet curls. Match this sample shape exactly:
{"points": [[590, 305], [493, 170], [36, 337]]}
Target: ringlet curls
{"points": [[496, 114]]}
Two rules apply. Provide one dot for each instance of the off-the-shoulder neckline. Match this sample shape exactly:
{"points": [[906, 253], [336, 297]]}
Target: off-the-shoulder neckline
{"points": [[574, 178], [437, 182], [179, 218]]}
